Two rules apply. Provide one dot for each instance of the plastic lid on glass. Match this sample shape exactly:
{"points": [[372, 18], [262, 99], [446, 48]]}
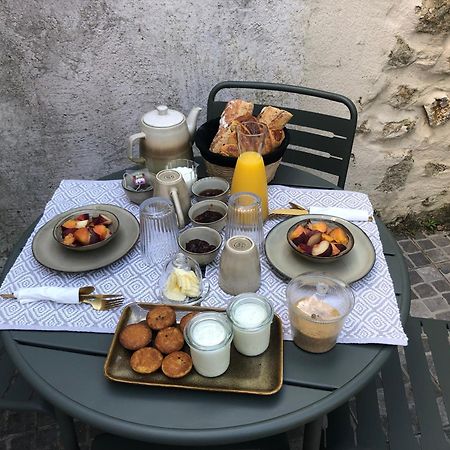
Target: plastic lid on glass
{"points": [[320, 297], [162, 117]]}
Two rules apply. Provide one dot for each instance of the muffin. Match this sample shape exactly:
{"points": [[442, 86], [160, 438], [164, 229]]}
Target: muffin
{"points": [[135, 336], [169, 340], [177, 365], [185, 320], [146, 360], [161, 317]]}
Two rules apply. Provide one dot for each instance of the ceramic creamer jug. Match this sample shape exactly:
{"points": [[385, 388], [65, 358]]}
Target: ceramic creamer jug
{"points": [[165, 135], [170, 184]]}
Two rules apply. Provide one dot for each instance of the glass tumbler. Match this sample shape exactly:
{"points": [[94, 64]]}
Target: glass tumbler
{"points": [[186, 168], [158, 229], [245, 218]]}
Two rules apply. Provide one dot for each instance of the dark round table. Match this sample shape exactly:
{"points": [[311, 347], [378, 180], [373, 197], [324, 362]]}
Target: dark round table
{"points": [[66, 368]]}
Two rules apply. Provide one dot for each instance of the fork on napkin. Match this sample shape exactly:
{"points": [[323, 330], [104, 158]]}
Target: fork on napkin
{"points": [[67, 295]]}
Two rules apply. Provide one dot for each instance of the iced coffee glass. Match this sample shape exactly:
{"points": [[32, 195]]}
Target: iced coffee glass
{"points": [[318, 306]]}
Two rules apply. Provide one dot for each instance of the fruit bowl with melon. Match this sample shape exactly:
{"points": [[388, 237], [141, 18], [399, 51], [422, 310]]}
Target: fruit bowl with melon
{"points": [[320, 240], [87, 229]]}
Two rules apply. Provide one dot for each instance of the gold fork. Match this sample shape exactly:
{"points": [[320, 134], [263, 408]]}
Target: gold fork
{"points": [[100, 303]]}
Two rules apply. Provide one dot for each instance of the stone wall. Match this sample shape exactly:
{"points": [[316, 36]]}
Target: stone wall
{"points": [[392, 58], [75, 77]]}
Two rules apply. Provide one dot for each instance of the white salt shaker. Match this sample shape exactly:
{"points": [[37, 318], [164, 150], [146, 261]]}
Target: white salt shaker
{"points": [[251, 315], [209, 338]]}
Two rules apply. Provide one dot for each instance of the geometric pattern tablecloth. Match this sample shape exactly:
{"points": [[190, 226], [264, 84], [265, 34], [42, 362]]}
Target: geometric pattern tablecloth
{"points": [[375, 318]]}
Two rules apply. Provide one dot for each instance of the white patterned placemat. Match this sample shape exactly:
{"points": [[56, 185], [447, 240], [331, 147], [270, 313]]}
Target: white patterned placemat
{"points": [[128, 275], [375, 318]]}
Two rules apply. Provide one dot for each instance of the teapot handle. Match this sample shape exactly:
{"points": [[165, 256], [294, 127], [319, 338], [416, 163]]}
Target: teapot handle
{"points": [[131, 139], [178, 210]]}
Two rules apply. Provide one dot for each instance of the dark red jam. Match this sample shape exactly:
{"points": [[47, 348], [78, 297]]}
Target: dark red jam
{"points": [[199, 246], [208, 216]]}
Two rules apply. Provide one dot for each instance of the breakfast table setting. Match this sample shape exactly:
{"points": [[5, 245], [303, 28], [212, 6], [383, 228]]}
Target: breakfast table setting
{"points": [[106, 254]]}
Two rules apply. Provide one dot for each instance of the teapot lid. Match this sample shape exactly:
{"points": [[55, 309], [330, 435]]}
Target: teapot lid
{"points": [[162, 117]]}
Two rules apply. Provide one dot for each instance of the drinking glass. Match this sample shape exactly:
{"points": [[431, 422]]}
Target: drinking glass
{"points": [[187, 168], [251, 137], [245, 217], [158, 229], [250, 173]]}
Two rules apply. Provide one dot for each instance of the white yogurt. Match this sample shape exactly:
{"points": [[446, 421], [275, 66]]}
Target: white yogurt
{"points": [[251, 316], [209, 337], [189, 175]]}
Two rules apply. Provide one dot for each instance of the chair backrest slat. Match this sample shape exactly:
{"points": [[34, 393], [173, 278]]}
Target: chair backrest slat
{"points": [[334, 137], [327, 165], [335, 146]]}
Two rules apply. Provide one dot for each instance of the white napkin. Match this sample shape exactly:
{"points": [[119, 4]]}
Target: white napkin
{"points": [[356, 215], [49, 293]]}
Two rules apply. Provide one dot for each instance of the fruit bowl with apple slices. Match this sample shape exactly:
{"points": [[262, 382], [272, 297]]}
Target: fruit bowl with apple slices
{"points": [[87, 229], [321, 240]]}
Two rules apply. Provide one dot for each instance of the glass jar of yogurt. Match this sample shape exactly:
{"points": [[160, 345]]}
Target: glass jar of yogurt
{"points": [[251, 315], [209, 337]]}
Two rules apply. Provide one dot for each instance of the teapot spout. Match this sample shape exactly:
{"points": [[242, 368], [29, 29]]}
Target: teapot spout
{"points": [[191, 120]]}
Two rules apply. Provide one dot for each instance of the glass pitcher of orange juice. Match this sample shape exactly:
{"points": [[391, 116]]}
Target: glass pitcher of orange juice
{"points": [[250, 173]]}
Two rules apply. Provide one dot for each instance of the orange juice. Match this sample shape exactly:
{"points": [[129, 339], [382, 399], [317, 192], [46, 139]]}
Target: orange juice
{"points": [[250, 176]]}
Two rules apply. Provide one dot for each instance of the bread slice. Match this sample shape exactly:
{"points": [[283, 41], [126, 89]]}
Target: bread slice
{"points": [[236, 109], [274, 118]]}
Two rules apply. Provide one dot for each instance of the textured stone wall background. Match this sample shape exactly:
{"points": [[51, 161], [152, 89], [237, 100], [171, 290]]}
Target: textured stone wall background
{"points": [[75, 77]]}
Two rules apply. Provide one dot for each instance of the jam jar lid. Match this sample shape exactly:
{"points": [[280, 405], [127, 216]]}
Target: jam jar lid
{"points": [[317, 294]]}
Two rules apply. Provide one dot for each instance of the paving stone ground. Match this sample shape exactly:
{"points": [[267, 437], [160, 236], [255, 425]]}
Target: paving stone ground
{"points": [[428, 260]]}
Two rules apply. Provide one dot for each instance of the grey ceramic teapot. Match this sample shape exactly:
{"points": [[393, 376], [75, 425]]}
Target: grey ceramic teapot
{"points": [[165, 135]]}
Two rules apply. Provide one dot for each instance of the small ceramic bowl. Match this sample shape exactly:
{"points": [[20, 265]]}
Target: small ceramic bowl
{"points": [[320, 240], [200, 187], [205, 234], [95, 216], [134, 194], [209, 205]]}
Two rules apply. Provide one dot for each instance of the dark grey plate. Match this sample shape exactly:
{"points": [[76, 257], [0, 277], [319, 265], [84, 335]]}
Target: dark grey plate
{"points": [[351, 267], [54, 256]]}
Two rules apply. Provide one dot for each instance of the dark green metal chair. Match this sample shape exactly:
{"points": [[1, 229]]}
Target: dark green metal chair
{"points": [[318, 141], [362, 425]]}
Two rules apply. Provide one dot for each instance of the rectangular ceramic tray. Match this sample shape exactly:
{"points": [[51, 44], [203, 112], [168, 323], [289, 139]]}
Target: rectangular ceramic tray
{"points": [[261, 375]]}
